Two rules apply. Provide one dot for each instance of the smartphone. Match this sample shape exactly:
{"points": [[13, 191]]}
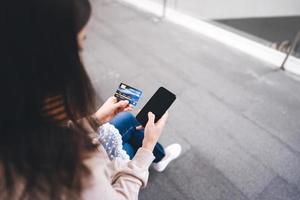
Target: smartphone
{"points": [[126, 92], [158, 104]]}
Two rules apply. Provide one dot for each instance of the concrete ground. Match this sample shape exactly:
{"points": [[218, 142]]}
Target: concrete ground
{"points": [[236, 117]]}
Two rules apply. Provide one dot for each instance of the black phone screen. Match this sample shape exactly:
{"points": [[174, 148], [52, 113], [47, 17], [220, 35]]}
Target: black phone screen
{"points": [[158, 104]]}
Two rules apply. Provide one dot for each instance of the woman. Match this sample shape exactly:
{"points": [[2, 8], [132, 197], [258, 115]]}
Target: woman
{"points": [[48, 111]]}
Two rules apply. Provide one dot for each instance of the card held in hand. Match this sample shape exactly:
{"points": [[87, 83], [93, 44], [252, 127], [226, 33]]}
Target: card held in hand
{"points": [[126, 92]]}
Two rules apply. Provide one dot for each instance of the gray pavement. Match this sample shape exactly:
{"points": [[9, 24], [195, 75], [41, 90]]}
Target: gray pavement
{"points": [[236, 117]]}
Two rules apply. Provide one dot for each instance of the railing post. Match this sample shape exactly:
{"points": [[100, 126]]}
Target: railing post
{"points": [[295, 41], [164, 8]]}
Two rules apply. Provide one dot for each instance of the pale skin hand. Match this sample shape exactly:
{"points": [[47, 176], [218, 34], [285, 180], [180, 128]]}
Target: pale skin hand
{"points": [[111, 108], [153, 130]]}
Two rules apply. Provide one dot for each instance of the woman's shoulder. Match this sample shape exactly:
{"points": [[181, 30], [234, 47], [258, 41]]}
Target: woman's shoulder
{"points": [[97, 158]]}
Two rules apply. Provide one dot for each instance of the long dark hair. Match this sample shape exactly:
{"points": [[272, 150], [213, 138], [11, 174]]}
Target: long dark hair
{"points": [[39, 57]]}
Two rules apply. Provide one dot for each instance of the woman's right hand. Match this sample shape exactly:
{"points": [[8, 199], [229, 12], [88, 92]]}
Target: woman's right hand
{"points": [[153, 130]]}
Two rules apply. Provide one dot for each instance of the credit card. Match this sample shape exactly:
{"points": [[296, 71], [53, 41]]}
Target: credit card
{"points": [[126, 92]]}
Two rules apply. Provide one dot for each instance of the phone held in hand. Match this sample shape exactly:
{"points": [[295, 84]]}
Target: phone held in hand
{"points": [[158, 104], [126, 92]]}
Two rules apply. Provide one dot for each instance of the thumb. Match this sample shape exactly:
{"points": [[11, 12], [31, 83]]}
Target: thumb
{"points": [[151, 118], [122, 104]]}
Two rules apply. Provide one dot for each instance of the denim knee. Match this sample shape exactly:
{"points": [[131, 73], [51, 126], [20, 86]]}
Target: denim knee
{"points": [[124, 120], [126, 116]]}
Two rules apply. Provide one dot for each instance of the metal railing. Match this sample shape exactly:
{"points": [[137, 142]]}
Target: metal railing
{"points": [[291, 50], [164, 8]]}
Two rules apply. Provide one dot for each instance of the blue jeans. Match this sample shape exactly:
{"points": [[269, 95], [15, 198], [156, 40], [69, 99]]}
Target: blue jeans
{"points": [[126, 123]]}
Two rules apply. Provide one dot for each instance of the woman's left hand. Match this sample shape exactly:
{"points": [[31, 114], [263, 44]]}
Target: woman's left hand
{"points": [[111, 108]]}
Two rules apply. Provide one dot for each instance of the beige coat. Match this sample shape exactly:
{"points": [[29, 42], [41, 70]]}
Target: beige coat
{"points": [[118, 179]]}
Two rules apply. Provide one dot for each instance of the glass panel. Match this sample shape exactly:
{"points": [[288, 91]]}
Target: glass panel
{"points": [[276, 32], [296, 51], [269, 22]]}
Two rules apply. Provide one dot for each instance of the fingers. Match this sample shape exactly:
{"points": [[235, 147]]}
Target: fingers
{"points": [[138, 128], [128, 108], [122, 104]]}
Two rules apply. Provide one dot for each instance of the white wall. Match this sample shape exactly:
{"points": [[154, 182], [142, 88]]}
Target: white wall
{"points": [[226, 9]]}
